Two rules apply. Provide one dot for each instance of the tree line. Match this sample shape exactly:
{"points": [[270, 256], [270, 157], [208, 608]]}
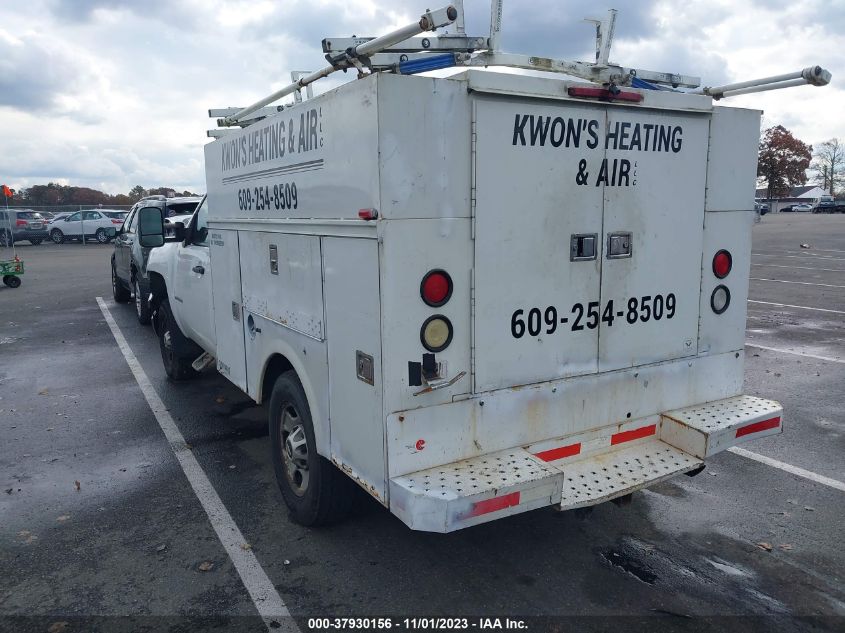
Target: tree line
{"points": [[783, 162], [54, 194]]}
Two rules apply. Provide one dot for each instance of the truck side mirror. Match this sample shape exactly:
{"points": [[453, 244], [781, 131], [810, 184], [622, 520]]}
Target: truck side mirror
{"points": [[150, 227]]}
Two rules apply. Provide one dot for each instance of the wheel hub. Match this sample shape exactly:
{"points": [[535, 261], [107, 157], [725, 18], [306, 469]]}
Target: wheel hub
{"points": [[294, 450]]}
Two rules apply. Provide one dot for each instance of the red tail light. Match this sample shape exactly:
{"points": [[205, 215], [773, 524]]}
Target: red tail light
{"points": [[722, 264], [436, 288], [20, 223], [116, 221]]}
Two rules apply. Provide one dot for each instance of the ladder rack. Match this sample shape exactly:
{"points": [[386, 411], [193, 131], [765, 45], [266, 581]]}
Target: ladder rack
{"points": [[401, 51]]}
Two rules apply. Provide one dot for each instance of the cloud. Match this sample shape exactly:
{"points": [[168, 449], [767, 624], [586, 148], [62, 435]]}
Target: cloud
{"points": [[113, 93]]}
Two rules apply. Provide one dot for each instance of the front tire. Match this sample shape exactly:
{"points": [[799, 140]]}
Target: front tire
{"points": [[315, 491], [119, 291], [170, 341], [142, 306], [57, 236], [6, 238], [101, 236], [13, 281]]}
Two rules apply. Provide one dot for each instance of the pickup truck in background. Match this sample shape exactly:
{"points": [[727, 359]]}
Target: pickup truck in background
{"points": [[828, 204]]}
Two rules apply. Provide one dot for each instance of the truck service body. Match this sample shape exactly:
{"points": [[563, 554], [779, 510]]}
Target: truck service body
{"points": [[497, 294]]}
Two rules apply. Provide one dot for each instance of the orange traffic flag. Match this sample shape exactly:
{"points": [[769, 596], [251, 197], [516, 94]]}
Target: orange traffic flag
{"points": [[7, 192]]}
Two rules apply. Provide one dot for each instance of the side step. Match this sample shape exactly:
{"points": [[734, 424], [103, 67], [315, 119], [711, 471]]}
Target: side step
{"points": [[205, 360], [710, 428]]}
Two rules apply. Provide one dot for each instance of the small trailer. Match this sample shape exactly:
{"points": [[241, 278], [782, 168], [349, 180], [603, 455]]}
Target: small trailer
{"points": [[477, 295]]}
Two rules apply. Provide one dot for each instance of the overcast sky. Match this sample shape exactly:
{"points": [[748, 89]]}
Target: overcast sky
{"points": [[113, 93]]}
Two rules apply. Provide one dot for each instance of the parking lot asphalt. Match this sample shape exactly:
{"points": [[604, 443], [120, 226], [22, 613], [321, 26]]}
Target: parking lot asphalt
{"points": [[131, 539]]}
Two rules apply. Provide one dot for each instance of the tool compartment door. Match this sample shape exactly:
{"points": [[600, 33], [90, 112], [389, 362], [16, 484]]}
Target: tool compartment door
{"points": [[224, 252], [529, 292], [653, 179]]}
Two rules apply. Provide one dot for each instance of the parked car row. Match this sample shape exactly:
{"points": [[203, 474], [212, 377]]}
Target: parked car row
{"points": [[100, 225]]}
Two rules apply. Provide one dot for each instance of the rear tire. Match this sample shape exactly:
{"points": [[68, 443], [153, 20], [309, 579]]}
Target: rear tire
{"points": [[170, 340], [57, 236], [13, 281], [119, 291], [142, 306], [315, 491]]}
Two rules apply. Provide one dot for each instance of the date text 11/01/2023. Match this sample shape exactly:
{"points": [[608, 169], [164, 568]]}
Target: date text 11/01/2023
{"points": [[534, 321], [279, 197]]}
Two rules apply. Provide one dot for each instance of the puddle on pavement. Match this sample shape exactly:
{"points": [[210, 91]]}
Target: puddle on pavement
{"points": [[630, 565]]}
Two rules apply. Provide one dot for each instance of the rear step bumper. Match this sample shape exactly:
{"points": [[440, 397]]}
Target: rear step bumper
{"points": [[578, 471]]}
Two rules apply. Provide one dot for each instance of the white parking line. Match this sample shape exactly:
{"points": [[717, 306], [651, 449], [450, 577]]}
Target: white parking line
{"points": [[267, 600], [829, 359], [787, 305], [828, 270], [806, 474], [803, 283]]}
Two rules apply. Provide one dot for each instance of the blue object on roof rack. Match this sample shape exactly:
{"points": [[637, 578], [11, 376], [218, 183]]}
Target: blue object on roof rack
{"points": [[636, 82], [434, 62]]}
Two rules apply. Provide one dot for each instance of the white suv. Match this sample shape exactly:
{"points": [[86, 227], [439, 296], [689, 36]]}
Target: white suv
{"points": [[91, 224]]}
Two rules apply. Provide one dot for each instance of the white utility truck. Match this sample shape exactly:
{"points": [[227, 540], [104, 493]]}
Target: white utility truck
{"points": [[477, 295]]}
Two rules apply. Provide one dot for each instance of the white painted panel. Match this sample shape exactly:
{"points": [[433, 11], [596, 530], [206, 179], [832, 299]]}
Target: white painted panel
{"points": [[523, 416], [411, 248], [326, 146], [309, 360], [353, 324], [732, 160], [228, 315], [293, 296], [724, 332], [529, 204], [424, 145], [661, 203]]}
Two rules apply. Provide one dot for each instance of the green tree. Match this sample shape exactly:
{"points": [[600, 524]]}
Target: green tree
{"points": [[136, 193], [782, 161]]}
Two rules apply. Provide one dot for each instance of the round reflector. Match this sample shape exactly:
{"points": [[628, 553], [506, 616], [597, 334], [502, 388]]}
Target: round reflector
{"points": [[436, 333], [720, 299], [436, 288], [722, 263]]}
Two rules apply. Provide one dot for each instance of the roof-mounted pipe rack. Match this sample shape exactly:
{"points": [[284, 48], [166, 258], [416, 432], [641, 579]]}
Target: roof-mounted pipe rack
{"points": [[354, 56], [401, 52], [813, 75]]}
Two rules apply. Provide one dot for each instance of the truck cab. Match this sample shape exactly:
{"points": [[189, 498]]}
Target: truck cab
{"points": [[181, 295]]}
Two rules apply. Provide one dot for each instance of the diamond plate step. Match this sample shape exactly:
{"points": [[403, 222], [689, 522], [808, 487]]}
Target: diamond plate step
{"points": [[608, 475], [710, 428]]}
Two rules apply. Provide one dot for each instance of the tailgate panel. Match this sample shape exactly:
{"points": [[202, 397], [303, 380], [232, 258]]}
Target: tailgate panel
{"points": [[528, 206], [662, 207]]}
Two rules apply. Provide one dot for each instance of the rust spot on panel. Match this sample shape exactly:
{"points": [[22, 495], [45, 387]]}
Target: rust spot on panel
{"points": [[365, 485]]}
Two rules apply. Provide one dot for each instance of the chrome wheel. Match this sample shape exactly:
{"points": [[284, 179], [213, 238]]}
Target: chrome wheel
{"points": [[101, 236], [294, 450]]}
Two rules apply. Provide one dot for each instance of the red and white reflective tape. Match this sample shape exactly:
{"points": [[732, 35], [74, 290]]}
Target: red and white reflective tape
{"points": [[494, 504], [756, 427], [570, 450], [559, 453]]}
